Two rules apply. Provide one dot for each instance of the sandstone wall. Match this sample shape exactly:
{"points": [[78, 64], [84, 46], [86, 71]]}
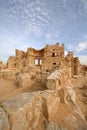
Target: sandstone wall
{"points": [[23, 80], [53, 54], [77, 67], [44, 59], [11, 63], [2, 66], [73, 64], [33, 55]]}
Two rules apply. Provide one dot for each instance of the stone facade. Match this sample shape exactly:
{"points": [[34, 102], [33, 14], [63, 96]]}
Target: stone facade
{"points": [[45, 59], [73, 64], [53, 54], [11, 63], [2, 66]]}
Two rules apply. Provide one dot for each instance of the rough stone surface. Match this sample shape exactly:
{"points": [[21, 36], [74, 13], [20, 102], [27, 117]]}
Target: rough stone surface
{"points": [[55, 98], [59, 80], [11, 63], [25, 112], [4, 124], [9, 73], [23, 80], [42, 111], [45, 59], [30, 110], [2, 66], [54, 126]]}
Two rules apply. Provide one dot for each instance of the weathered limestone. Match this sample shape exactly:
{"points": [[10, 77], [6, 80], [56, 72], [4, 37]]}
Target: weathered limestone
{"points": [[73, 64], [52, 101], [2, 66], [9, 73], [31, 111], [53, 54], [4, 123], [44, 59], [20, 59], [54, 126], [84, 70], [26, 112], [59, 80], [23, 80], [11, 63], [41, 110]]}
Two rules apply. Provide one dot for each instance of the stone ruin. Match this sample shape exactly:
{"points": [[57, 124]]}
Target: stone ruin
{"points": [[47, 67], [48, 109], [39, 64], [44, 59]]}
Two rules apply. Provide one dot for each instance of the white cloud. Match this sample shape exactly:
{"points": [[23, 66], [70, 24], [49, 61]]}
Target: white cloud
{"points": [[83, 59], [81, 46], [65, 53], [48, 36]]}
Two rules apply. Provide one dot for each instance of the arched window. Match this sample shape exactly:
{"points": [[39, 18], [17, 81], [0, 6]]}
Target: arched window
{"points": [[36, 61]]}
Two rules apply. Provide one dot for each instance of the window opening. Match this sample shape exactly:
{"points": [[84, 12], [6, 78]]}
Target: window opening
{"points": [[54, 63], [36, 61], [53, 54], [40, 61]]}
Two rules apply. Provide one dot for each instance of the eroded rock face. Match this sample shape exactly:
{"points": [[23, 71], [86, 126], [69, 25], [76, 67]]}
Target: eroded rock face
{"points": [[42, 110], [4, 124], [23, 80], [11, 63], [25, 112], [54, 126], [30, 110], [60, 80]]}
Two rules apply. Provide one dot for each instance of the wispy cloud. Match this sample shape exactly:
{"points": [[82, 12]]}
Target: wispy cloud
{"points": [[85, 4], [32, 15], [81, 46]]}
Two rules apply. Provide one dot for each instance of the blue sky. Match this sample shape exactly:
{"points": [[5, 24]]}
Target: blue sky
{"points": [[35, 23]]}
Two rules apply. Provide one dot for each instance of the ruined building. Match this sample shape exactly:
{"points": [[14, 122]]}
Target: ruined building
{"points": [[39, 91], [45, 59]]}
